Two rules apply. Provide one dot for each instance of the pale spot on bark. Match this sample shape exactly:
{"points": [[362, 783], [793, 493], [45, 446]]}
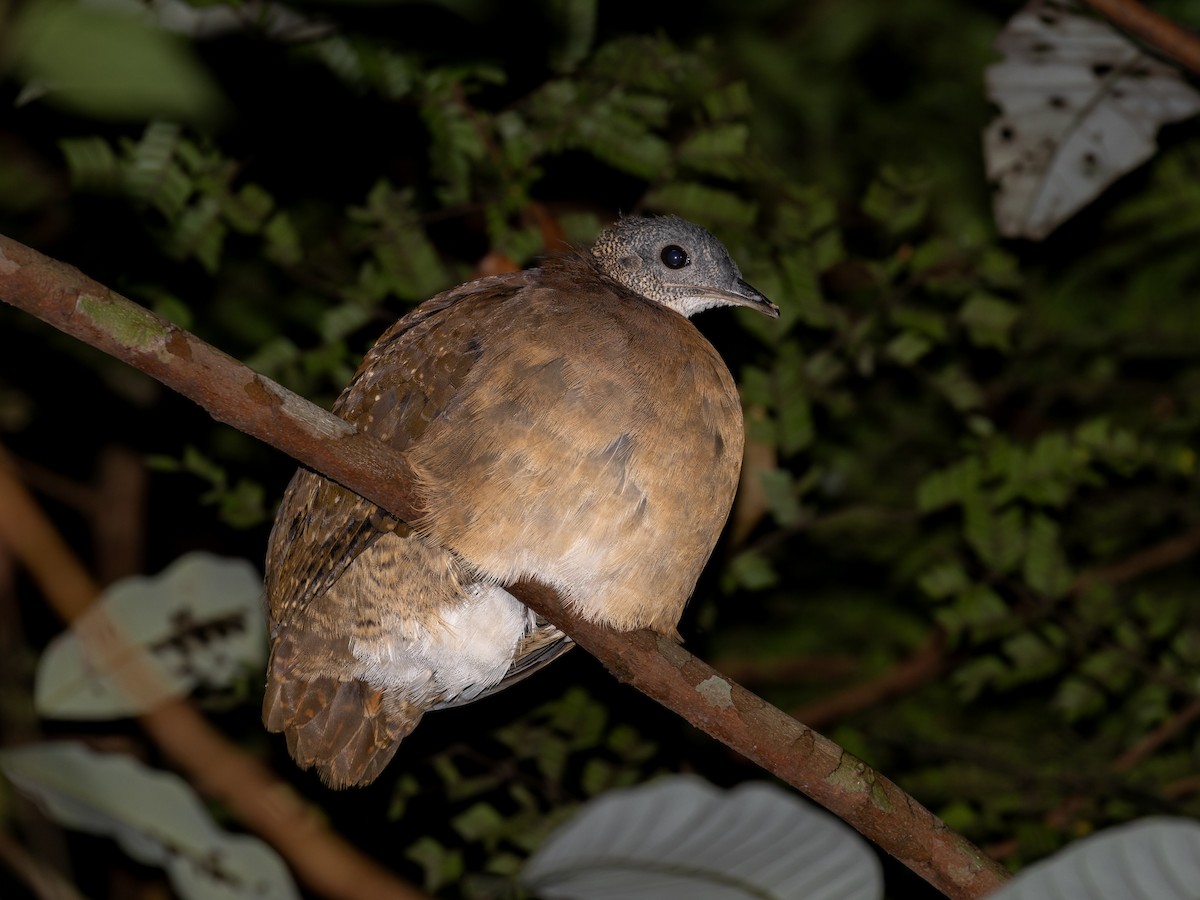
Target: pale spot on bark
{"points": [[716, 692]]}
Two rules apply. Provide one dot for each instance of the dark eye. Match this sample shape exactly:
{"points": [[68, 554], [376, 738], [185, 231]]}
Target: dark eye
{"points": [[674, 256]]}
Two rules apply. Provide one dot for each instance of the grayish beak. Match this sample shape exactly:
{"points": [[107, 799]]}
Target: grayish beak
{"points": [[748, 295]]}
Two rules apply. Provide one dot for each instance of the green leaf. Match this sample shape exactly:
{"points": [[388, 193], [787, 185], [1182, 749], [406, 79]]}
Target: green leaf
{"points": [[247, 209], [575, 24], [273, 357], [598, 776], [1108, 667], [1032, 657], [997, 538], [755, 383], [950, 486], [109, 64], [283, 241], [907, 347], [408, 262], [244, 505], [441, 865], [795, 414], [173, 310], [730, 101], [551, 758], [479, 822], [200, 233], [155, 171], [719, 150], [1186, 645], [618, 133], [1079, 699], [896, 201], [944, 580], [339, 321], [779, 489], [989, 320], [921, 321], [974, 677], [981, 610], [702, 203], [92, 163], [803, 298], [958, 388], [1045, 568], [749, 570]]}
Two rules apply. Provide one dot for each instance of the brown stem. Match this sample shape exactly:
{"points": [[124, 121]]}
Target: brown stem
{"points": [[1159, 556], [925, 664], [1154, 28], [42, 880], [118, 518], [68, 300], [1150, 743], [929, 661], [321, 859], [818, 668]]}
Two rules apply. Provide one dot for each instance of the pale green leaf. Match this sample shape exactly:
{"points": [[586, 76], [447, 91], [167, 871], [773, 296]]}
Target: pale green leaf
{"points": [[680, 836], [155, 817], [109, 64], [199, 622], [1151, 859]]}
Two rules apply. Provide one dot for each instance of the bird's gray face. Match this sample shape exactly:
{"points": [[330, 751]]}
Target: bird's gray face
{"points": [[675, 263]]}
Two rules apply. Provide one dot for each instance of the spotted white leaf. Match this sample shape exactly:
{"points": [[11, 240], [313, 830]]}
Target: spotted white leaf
{"points": [[1081, 106], [155, 817], [680, 838], [198, 623], [1151, 859]]}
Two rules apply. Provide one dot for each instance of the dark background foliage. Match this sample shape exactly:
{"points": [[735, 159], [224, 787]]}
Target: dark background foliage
{"points": [[967, 455]]}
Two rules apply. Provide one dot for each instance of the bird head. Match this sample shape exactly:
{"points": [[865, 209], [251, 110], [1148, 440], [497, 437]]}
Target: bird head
{"points": [[675, 263]]}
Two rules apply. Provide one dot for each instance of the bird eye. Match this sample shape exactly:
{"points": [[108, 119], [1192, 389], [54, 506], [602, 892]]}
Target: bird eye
{"points": [[674, 256]]}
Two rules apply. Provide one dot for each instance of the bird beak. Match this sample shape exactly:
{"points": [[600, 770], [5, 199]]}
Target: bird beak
{"points": [[741, 295], [748, 295]]}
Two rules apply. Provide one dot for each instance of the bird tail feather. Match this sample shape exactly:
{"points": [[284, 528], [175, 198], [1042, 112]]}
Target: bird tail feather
{"points": [[348, 730]]}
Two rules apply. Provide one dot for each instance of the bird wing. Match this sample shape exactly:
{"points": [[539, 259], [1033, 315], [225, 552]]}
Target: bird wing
{"points": [[408, 378]]}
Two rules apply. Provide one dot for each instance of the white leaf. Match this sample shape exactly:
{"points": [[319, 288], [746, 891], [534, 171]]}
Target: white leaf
{"points": [[1081, 107], [199, 622], [1152, 859], [272, 20], [155, 817], [680, 837]]}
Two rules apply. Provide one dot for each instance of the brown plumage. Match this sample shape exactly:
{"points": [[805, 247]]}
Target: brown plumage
{"points": [[566, 423]]}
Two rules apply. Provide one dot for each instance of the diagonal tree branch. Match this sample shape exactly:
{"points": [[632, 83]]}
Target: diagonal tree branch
{"points": [[70, 301], [1154, 28]]}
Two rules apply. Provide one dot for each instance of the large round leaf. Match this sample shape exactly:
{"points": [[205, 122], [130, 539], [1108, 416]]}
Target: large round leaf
{"points": [[680, 837]]}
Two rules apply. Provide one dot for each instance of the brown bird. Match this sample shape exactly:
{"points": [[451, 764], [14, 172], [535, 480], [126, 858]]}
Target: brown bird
{"points": [[567, 424]]}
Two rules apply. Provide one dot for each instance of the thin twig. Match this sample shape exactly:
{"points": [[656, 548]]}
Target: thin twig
{"points": [[929, 660], [1154, 28], [321, 859], [118, 521], [68, 300], [43, 882], [1169, 552], [1150, 743], [925, 664]]}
